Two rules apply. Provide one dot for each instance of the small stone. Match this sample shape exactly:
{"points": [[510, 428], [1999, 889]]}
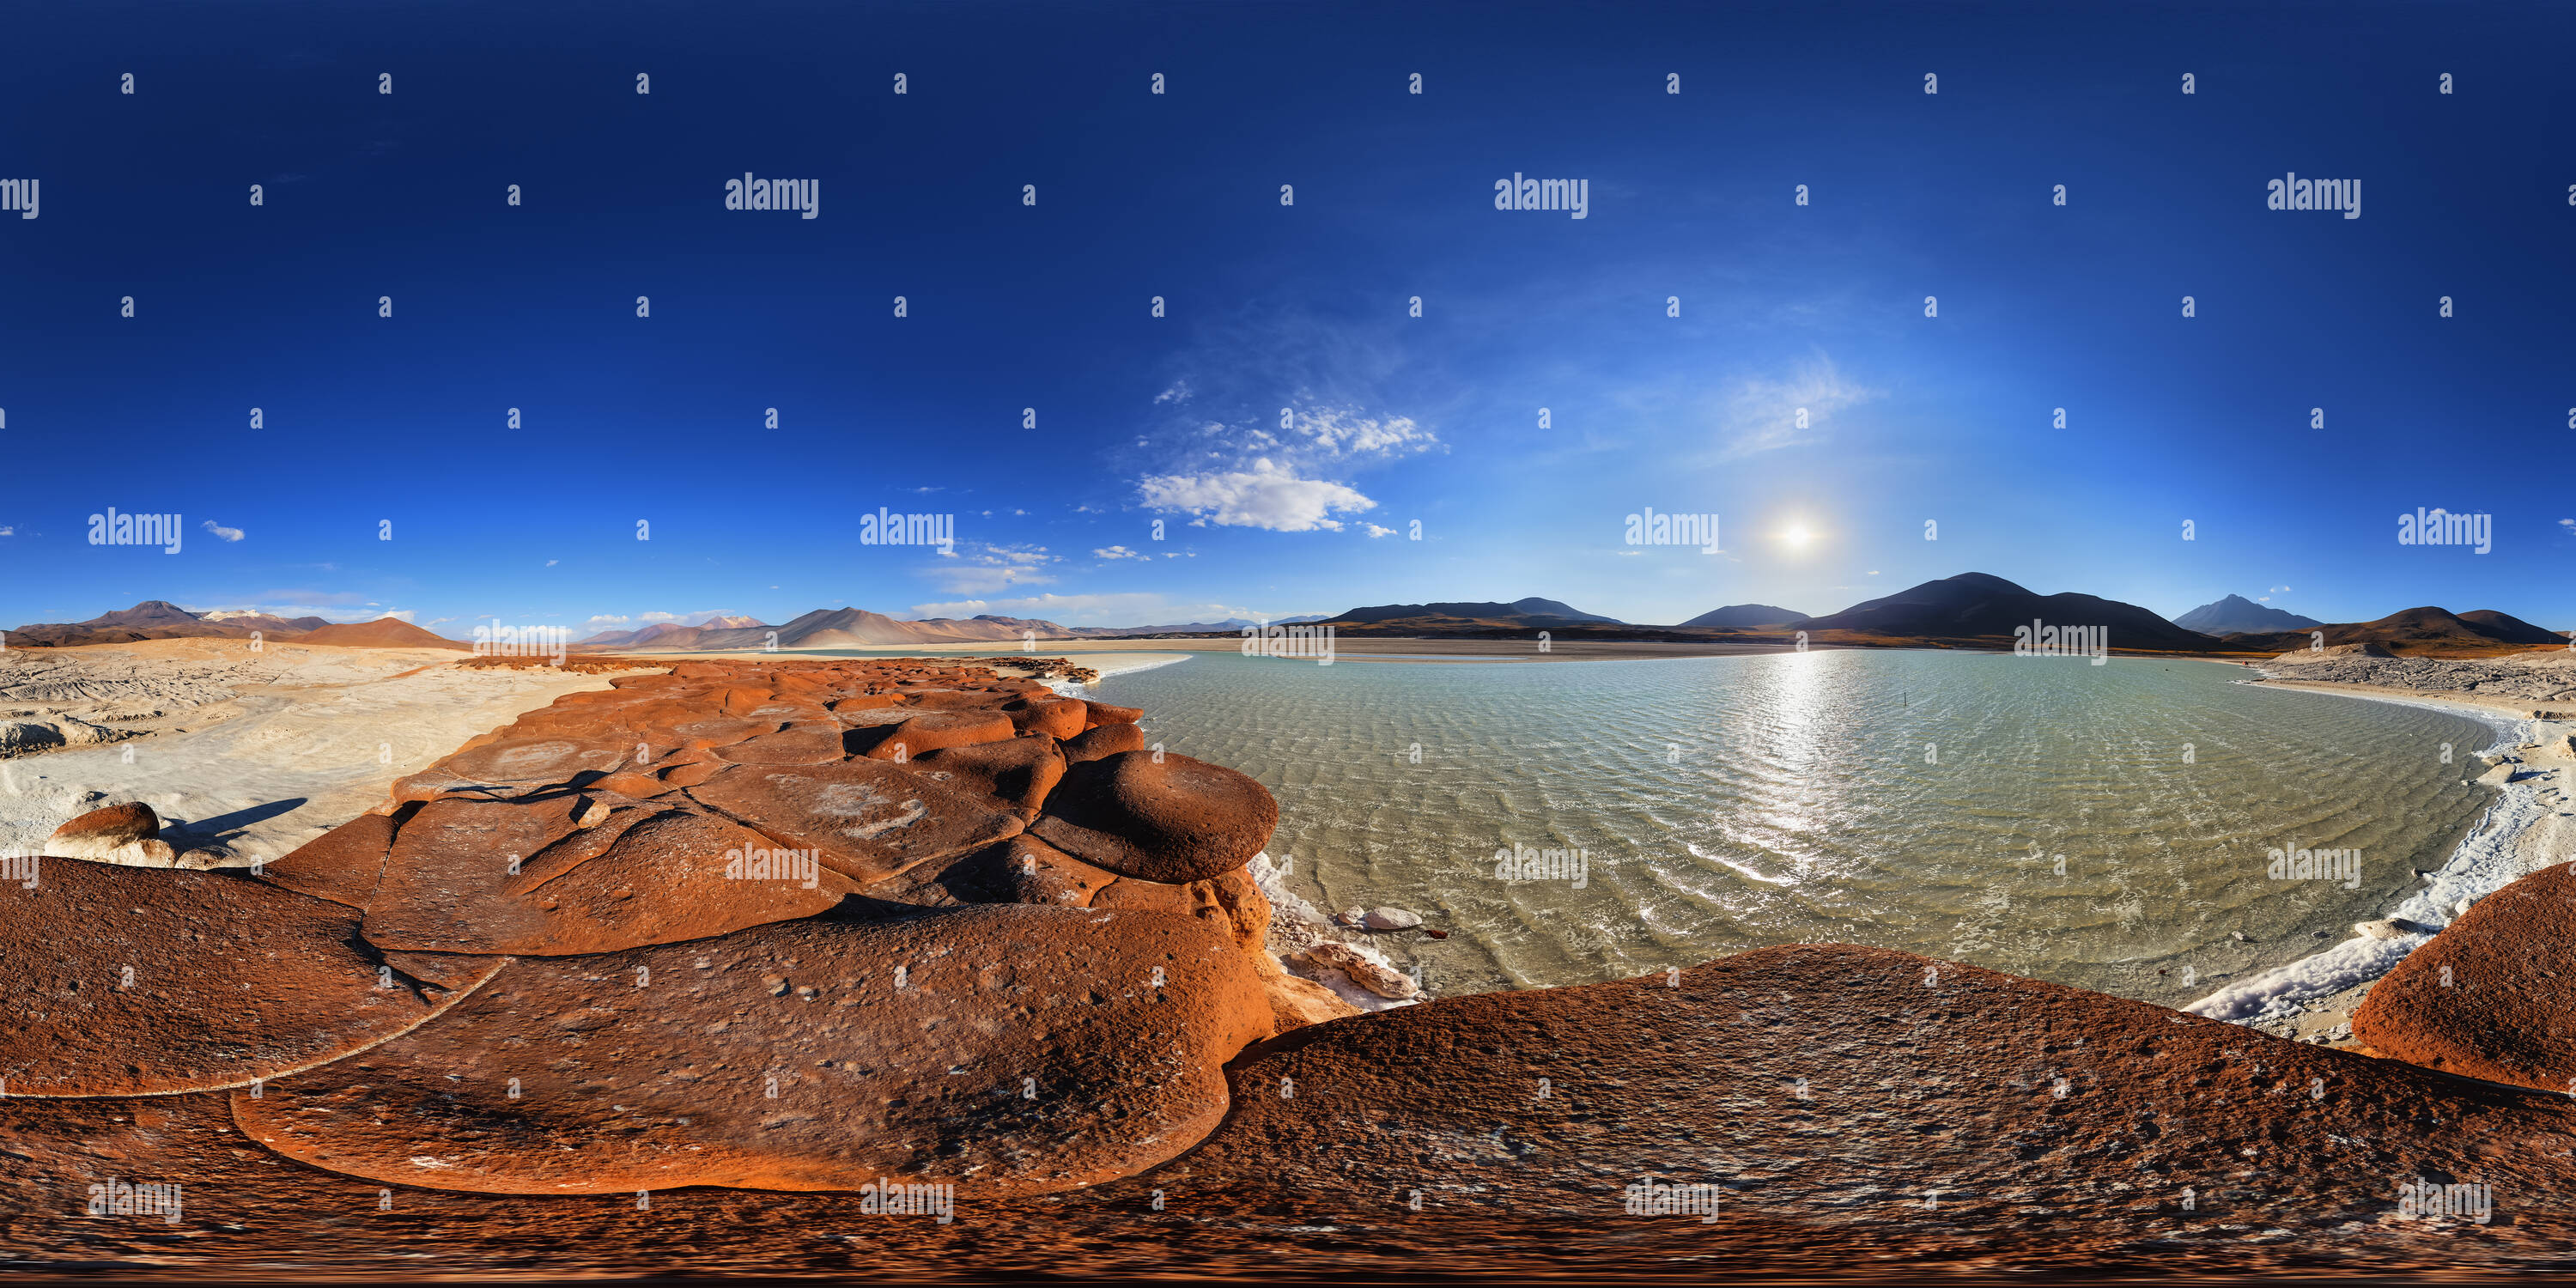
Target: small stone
{"points": [[100, 832], [1386, 982], [1391, 919], [2237, 935]]}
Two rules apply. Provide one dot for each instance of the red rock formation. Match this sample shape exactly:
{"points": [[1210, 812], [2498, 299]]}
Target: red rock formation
{"points": [[2491, 996], [1158, 816]]}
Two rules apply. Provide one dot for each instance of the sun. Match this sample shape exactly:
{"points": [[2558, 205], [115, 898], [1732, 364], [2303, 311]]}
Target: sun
{"points": [[1797, 536]]}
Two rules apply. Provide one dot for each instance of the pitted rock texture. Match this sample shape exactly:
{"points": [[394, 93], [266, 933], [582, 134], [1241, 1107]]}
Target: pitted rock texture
{"points": [[1007, 1050], [231, 980], [2493, 996]]}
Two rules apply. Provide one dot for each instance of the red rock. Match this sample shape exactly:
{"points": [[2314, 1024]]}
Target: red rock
{"points": [[1103, 741], [871, 820], [442, 884], [540, 761], [1017, 772], [795, 745], [1026, 1051], [101, 832], [340, 865], [690, 775], [1054, 717], [933, 730], [1178, 821], [672, 877], [233, 980], [2487, 998], [1104, 713], [634, 784]]}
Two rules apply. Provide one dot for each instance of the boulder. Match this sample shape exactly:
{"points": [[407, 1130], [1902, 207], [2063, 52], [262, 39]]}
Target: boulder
{"points": [[1102, 741], [1390, 919], [931, 731], [2487, 997], [1018, 772], [1176, 821], [1005, 1049], [1104, 713], [1054, 717], [232, 980], [102, 833]]}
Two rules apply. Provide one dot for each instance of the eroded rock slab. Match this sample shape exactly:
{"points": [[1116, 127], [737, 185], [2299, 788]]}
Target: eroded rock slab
{"points": [[231, 980], [1005, 1049], [870, 819]]}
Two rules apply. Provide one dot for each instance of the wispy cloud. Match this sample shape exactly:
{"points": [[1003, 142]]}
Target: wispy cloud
{"points": [[221, 532], [980, 569], [1137, 608], [1763, 414]]}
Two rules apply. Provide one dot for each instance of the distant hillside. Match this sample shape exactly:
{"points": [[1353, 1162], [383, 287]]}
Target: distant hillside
{"points": [[1519, 615], [2237, 613], [157, 619], [1740, 615], [2426, 631], [1978, 607], [384, 632]]}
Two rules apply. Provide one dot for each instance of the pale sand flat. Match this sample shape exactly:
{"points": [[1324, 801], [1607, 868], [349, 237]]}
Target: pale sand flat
{"points": [[279, 746]]}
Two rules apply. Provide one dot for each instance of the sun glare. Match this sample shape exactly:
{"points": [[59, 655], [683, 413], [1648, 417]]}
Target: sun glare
{"points": [[1797, 536]]}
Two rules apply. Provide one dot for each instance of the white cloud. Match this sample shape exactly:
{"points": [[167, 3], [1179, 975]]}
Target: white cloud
{"points": [[1267, 495], [1121, 552], [221, 532], [8, 532], [1376, 531], [2569, 524], [440, 621], [550, 563], [1761, 415], [1345, 431], [1178, 393], [988, 568]]}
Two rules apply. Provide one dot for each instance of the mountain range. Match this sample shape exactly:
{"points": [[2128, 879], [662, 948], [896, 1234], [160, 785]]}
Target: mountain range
{"points": [[157, 619], [2237, 613], [1740, 615]]}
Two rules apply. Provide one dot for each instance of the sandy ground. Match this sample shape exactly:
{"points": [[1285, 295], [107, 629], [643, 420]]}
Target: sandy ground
{"points": [[255, 753], [1346, 648]]}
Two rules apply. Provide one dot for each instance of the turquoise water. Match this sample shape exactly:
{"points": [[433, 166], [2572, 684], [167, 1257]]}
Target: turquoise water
{"points": [[1729, 803]]}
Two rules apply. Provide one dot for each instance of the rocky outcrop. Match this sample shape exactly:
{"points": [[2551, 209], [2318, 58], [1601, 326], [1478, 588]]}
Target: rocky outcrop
{"points": [[2489, 996], [126, 981], [1158, 816]]}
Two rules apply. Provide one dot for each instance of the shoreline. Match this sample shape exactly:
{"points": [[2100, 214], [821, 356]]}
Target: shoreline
{"points": [[2509, 841]]}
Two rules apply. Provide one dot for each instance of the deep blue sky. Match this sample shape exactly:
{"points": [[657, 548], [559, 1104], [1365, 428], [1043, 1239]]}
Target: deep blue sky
{"points": [[1398, 419]]}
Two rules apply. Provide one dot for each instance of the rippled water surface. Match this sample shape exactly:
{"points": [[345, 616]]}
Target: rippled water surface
{"points": [[1913, 800]]}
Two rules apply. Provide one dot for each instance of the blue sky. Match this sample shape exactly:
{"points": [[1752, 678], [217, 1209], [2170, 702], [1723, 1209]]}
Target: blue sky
{"points": [[1393, 419]]}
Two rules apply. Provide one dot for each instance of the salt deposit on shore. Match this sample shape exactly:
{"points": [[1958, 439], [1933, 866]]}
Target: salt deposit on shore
{"points": [[2531, 824], [251, 752]]}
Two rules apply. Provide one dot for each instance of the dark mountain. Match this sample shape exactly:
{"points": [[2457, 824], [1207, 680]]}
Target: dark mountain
{"points": [[1746, 615], [1982, 607], [1532, 612], [2237, 613], [2510, 629], [2426, 631], [153, 619]]}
